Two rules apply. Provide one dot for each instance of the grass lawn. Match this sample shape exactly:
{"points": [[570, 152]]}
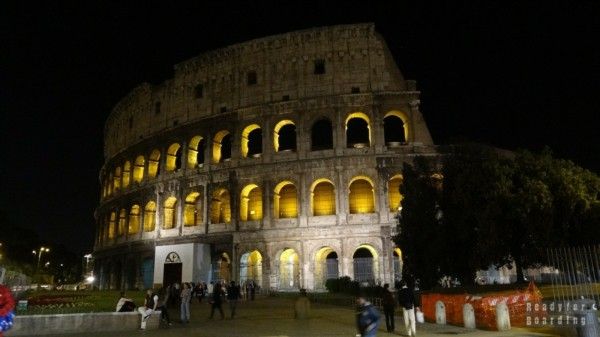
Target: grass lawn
{"points": [[66, 302]]}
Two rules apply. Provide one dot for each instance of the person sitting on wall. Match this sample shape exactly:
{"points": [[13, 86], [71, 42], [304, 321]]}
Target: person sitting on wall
{"points": [[150, 304], [125, 304]]}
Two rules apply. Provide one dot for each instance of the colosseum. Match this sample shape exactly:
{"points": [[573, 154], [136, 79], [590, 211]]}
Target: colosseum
{"points": [[277, 160]]}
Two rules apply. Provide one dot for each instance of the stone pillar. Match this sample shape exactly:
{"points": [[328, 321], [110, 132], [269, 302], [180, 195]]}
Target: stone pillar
{"points": [[341, 196], [267, 191]]}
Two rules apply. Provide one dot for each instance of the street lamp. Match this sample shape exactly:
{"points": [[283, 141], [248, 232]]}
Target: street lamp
{"points": [[39, 254]]}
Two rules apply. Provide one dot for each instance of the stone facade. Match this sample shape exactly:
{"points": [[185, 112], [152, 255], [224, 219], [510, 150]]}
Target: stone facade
{"points": [[275, 208]]}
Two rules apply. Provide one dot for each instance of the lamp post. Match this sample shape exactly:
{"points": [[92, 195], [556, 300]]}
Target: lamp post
{"points": [[39, 254]]}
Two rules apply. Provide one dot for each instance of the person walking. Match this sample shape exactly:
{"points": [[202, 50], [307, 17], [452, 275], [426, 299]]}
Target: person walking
{"points": [[216, 301], [389, 306], [233, 294], [186, 295], [163, 298], [406, 299], [367, 317], [150, 304]]}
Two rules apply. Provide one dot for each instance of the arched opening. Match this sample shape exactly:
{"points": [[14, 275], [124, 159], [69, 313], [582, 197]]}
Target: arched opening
{"points": [[192, 211], [397, 264], [251, 203], [326, 266], [321, 135], [221, 270], [111, 225], [285, 200], [154, 164], [395, 128], [394, 196], [126, 174], [173, 157], [138, 169], [122, 222], [284, 138], [150, 216], [196, 152], [251, 145], [361, 196], [220, 207], [222, 147], [323, 198], [117, 179], [365, 264], [289, 270], [358, 130], [110, 183], [170, 214], [134, 220], [251, 267]]}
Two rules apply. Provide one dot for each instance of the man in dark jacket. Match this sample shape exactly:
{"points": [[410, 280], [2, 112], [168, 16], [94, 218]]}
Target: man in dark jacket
{"points": [[406, 299], [367, 317], [233, 294], [389, 305]]}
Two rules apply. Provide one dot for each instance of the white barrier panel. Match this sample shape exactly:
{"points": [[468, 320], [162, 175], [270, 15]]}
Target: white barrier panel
{"points": [[469, 316], [440, 312], [502, 317]]}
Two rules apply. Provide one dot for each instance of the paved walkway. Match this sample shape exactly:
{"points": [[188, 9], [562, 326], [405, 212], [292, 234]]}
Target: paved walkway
{"points": [[273, 317]]}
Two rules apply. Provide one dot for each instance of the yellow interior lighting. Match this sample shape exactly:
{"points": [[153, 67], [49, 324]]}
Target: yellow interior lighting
{"points": [[394, 196], [111, 225], [192, 211], [278, 127], [192, 158], [220, 207], [150, 216], [126, 174], [244, 144], [138, 169], [172, 157], [285, 200], [404, 117], [117, 179], [153, 163], [361, 196], [170, 213], [217, 145], [251, 203], [323, 197], [134, 219], [122, 222]]}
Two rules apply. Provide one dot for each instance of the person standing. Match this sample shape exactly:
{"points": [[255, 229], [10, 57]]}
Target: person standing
{"points": [[186, 296], [233, 294], [406, 299], [163, 297], [367, 317], [389, 305], [150, 304], [216, 301]]}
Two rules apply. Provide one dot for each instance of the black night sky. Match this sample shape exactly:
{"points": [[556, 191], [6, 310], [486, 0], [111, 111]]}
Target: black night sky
{"points": [[510, 74]]}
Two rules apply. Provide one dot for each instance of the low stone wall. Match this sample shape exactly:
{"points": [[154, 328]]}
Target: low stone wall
{"points": [[37, 325]]}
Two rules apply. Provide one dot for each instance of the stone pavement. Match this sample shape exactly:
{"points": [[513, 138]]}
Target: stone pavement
{"points": [[273, 317]]}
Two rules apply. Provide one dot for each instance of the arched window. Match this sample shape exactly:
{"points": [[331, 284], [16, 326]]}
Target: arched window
{"points": [[358, 130], [251, 203], [285, 200], [173, 158], [111, 225], [284, 137], [321, 135], [222, 146], [154, 164], [192, 212], [126, 174], [323, 198], [251, 267], [289, 269], [122, 222], [220, 207], [397, 256], [134, 219], [117, 179], [365, 264], [251, 144], [394, 196], [326, 266], [395, 128], [196, 152], [150, 216], [361, 197], [138, 169], [170, 214]]}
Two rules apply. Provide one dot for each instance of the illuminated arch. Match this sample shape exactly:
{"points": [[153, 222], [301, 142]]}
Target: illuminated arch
{"points": [[117, 179], [221, 142], [111, 225], [126, 174], [192, 211], [251, 140], [326, 266], [403, 129], [361, 195], [220, 206], [284, 135], [357, 133], [394, 195], [289, 269], [173, 162], [122, 222], [397, 264], [150, 216], [134, 220], [285, 200], [154, 163], [366, 267], [195, 151], [170, 214], [323, 197], [251, 267], [321, 134], [251, 203], [138, 169]]}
